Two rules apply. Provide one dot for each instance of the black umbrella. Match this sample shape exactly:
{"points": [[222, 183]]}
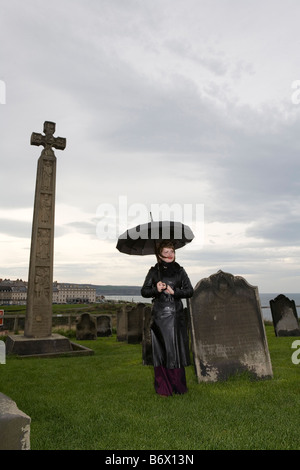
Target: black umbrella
{"points": [[142, 240]]}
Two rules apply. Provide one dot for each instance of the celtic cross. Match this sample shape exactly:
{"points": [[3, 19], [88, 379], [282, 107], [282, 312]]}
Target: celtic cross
{"points": [[48, 140]]}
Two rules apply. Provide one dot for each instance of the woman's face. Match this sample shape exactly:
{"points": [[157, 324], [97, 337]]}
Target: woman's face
{"points": [[168, 255]]}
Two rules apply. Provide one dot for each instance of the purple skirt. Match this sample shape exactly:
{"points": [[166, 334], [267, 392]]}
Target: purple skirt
{"points": [[169, 381]]}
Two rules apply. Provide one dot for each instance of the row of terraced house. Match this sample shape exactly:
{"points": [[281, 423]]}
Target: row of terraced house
{"points": [[15, 293]]}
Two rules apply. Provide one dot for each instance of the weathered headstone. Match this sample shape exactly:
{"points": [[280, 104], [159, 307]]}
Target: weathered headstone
{"points": [[135, 323], [86, 327], [285, 318], [228, 334], [147, 338], [122, 323], [14, 426], [104, 325]]}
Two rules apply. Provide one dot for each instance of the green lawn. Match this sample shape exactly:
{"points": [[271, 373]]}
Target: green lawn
{"points": [[107, 401]]}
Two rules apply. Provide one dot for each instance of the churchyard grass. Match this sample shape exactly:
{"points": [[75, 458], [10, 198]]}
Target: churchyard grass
{"points": [[107, 401]]}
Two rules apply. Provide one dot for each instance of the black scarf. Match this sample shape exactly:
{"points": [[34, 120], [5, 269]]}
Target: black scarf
{"points": [[168, 269]]}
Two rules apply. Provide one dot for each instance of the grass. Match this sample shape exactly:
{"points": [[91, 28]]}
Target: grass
{"points": [[107, 401]]}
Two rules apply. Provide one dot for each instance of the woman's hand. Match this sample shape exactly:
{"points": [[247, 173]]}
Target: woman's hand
{"points": [[169, 290], [161, 286]]}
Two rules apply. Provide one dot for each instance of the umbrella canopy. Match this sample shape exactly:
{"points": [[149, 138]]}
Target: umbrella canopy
{"points": [[142, 240]]}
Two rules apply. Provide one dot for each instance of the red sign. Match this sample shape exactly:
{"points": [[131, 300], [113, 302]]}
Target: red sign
{"points": [[1, 317]]}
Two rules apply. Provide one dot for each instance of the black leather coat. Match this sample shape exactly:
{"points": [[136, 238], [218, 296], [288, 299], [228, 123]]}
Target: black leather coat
{"points": [[170, 344]]}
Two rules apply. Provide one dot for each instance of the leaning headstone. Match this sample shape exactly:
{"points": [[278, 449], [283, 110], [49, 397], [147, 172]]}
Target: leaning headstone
{"points": [[228, 334], [285, 318], [104, 325], [14, 426], [86, 327], [135, 324], [147, 338]]}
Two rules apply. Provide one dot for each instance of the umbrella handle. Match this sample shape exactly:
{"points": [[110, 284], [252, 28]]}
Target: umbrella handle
{"points": [[155, 247], [159, 277]]}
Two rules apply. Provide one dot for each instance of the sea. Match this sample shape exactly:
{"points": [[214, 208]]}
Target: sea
{"points": [[264, 301]]}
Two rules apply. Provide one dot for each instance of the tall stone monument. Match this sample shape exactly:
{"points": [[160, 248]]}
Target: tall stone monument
{"points": [[38, 339], [38, 322]]}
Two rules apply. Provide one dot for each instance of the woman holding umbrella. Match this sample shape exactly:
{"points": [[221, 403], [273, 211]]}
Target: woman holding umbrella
{"points": [[167, 283]]}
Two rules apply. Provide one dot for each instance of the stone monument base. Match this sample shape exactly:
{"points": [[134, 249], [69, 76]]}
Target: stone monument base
{"points": [[51, 346]]}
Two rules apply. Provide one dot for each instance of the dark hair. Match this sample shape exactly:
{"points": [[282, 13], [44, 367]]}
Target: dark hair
{"points": [[160, 246]]}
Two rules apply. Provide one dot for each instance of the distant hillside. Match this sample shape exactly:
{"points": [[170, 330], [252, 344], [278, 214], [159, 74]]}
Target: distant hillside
{"points": [[117, 290], [110, 290]]}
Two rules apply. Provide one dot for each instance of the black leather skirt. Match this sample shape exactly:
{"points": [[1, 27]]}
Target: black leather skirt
{"points": [[170, 344]]}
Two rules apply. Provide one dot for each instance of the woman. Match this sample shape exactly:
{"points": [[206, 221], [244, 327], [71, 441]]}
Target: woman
{"points": [[168, 283]]}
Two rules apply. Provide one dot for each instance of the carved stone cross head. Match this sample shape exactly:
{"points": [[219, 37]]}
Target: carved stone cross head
{"points": [[48, 140]]}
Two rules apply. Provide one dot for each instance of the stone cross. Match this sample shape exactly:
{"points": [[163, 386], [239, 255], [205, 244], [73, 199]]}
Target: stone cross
{"points": [[38, 321], [48, 140]]}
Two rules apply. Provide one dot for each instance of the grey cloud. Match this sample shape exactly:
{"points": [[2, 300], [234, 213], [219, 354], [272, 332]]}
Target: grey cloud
{"points": [[15, 228], [283, 232], [153, 135], [22, 229], [88, 228]]}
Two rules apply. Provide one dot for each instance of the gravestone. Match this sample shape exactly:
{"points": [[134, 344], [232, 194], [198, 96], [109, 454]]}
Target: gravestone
{"points": [[104, 325], [135, 324], [227, 329], [122, 322], [147, 338], [86, 327], [285, 318], [14, 426], [2, 352]]}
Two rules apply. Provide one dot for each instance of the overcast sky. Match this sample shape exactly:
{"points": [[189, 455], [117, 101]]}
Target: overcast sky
{"points": [[185, 102]]}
